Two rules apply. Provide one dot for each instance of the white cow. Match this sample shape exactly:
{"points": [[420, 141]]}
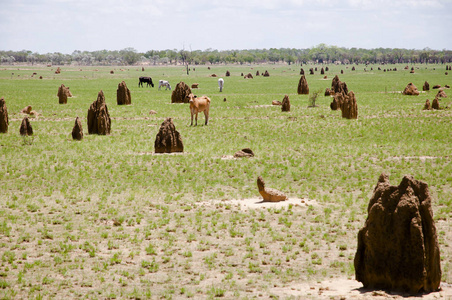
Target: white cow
{"points": [[221, 84], [165, 84]]}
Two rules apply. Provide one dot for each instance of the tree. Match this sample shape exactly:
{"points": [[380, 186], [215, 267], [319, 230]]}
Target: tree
{"points": [[185, 56], [129, 56]]}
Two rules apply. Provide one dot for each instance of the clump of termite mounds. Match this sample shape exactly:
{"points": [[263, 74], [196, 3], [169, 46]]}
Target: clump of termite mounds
{"points": [[181, 93], [343, 99], [168, 139], [99, 121], [4, 122], [398, 246], [435, 102]]}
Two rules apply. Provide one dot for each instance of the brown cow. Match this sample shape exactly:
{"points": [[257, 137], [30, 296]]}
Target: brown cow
{"points": [[199, 104]]}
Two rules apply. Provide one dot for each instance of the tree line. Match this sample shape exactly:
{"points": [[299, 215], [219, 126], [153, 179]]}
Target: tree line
{"points": [[319, 54]]}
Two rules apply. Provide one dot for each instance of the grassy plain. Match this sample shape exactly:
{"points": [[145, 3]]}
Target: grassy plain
{"points": [[107, 218]]}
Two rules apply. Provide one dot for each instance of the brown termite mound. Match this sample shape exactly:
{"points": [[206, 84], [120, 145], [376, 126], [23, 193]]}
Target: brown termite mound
{"points": [[63, 94], [435, 104], [180, 93], [99, 121], [168, 139], [269, 195], [77, 130], [246, 152], [338, 86], [441, 94], [285, 105], [25, 127], [349, 107], [338, 99], [398, 246], [26, 110], [427, 105], [123, 96], [4, 122], [426, 87], [411, 90], [303, 88]]}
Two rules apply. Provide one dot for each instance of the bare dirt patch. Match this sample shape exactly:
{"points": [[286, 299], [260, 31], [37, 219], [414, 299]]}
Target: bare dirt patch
{"points": [[258, 203], [342, 288]]}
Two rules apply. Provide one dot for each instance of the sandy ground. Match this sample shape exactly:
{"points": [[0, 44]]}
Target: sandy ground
{"points": [[351, 289], [337, 288], [258, 203]]}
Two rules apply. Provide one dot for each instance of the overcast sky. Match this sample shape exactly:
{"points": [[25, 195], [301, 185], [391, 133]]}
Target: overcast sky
{"points": [[66, 25]]}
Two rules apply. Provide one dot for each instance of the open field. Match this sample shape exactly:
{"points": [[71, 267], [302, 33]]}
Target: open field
{"points": [[107, 218]]}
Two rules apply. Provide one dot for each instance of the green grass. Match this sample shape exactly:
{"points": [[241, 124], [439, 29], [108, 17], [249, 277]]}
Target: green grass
{"points": [[105, 217]]}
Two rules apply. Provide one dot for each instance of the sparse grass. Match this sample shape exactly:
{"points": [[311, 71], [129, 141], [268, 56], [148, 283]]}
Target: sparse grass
{"points": [[105, 218]]}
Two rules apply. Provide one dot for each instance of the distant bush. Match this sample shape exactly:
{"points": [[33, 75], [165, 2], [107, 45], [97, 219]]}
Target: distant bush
{"points": [[313, 98]]}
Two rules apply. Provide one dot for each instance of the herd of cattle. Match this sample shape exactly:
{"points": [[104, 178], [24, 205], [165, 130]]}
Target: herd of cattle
{"points": [[165, 83], [197, 104]]}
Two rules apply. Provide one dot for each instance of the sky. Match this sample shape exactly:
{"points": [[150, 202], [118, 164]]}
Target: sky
{"points": [[47, 26]]}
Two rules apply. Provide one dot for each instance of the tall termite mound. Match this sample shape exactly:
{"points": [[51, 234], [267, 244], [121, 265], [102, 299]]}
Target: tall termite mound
{"points": [[398, 246]]}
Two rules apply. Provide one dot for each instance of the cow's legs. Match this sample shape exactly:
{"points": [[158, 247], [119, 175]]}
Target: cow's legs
{"points": [[206, 114]]}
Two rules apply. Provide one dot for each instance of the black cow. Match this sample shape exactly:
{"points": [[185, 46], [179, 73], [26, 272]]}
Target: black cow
{"points": [[147, 80]]}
